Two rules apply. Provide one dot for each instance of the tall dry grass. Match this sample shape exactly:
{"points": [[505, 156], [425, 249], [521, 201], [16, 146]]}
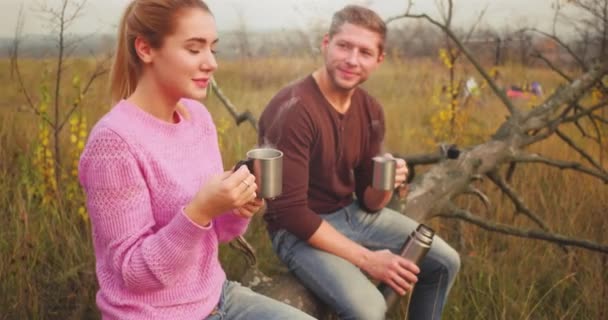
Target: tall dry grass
{"points": [[46, 255]]}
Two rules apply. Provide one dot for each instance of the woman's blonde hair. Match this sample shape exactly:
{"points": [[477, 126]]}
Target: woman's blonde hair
{"points": [[152, 20]]}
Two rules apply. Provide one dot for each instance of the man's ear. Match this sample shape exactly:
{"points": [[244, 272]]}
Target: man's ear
{"points": [[381, 57], [325, 42], [143, 49]]}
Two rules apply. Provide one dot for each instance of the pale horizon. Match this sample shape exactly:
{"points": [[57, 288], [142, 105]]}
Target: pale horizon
{"points": [[101, 17]]}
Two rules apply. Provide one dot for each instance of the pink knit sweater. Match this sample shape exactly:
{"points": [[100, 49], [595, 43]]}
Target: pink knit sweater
{"points": [[138, 173]]}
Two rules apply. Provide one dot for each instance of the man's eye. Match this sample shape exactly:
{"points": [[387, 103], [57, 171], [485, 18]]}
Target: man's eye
{"points": [[193, 51]]}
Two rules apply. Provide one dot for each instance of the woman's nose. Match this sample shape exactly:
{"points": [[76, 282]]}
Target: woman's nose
{"points": [[209, 63]]}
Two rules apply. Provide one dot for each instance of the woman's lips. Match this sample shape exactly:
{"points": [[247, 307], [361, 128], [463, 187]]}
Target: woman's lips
{"points": [[201, 82]]}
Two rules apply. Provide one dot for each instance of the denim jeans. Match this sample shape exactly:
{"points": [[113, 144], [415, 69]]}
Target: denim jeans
{"points": [[239, 302], [345, 288]]}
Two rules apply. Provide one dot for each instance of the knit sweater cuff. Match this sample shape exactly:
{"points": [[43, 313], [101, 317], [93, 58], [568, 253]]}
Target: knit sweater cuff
{"points": [[184, 232], [208, 227]]}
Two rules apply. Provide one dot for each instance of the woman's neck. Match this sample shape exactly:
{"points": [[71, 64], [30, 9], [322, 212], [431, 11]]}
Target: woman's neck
{"points": [[151, 98]]}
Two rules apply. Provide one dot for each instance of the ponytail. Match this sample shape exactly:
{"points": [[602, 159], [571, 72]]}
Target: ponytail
{"points": [[124, 73]]}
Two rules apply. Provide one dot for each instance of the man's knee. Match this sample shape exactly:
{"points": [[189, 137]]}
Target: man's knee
{"points": [[451, 260], [371, 306], [444, 263]]}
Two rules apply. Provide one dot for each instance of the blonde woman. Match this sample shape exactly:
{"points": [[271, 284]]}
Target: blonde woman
{"points": [[159, 199]]}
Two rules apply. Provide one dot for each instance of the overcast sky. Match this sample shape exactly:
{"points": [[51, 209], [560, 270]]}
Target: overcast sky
{"points": [[101, 16]]}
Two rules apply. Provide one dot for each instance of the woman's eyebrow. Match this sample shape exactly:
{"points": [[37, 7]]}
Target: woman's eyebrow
{"points": [[202, 40]]}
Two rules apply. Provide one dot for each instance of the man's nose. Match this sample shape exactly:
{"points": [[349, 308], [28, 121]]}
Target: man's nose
{"points": [[353, 57]]}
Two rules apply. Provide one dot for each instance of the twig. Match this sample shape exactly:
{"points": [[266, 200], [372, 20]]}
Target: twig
{"points": [[28, 98], [598, 118], [16, 71], [481, 196], [598, 137], [238, 117], [523, 233], [570, 165], [586, 111], [552, 66], [501, 95], [421, 159], [520, 206], [99, 71], [578, 149], [539, 117], [563, 45], [410, 4], [241, 244]]}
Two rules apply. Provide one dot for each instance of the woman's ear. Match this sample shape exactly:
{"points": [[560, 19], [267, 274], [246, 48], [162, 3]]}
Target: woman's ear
{"points": [[143, 49]]}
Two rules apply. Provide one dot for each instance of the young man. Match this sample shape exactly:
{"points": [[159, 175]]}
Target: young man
{"points": [[329, 129]]}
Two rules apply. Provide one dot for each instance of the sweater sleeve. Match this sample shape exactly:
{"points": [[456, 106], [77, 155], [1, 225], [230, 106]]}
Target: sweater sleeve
{"points": [[292, 133], [120, 209], [229, 226]]}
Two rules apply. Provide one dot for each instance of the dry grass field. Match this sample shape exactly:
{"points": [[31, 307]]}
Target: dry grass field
{"points": [[46, 255]]}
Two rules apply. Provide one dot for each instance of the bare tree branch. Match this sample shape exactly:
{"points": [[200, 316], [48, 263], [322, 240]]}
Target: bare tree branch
{"points": [[17, 37], [586, 111], [551, 126], [579, 150], [481, 196], [100, 69], [598, 118], [501, 95], [238, 117], [557, 40], [584, 133], [422, 159], [551, 65], [589, 6], [520, 206], [15, 69], [241, 244], [408, 8], [434, 189], [522, 233], [540, 117], [534, 158]]}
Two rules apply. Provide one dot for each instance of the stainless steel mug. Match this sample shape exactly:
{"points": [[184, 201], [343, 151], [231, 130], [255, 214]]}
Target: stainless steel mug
{"points": [[266, 164], [383, 177]]}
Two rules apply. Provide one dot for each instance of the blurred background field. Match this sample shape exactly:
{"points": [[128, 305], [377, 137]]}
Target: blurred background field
{"points": [[46, 255]]}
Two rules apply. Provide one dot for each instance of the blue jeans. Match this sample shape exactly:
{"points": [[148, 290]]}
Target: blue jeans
{"points": [[239, 302], [345, 288]]}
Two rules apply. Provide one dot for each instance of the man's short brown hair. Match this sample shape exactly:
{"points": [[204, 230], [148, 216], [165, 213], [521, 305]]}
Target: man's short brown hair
{"points": [[359, 16]]}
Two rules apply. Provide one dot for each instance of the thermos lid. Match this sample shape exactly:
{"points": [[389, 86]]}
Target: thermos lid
{"points": [[425, 231]]}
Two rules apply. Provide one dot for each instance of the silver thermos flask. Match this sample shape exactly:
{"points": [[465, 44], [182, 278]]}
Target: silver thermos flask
{"points": [[414, 249]]}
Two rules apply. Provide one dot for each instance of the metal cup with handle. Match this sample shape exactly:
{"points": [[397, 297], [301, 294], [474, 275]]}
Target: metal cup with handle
{"points": [[383, 176], [266, 164]]}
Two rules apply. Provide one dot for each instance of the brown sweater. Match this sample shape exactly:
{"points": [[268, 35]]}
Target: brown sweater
{"points": [[327, 155]]}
